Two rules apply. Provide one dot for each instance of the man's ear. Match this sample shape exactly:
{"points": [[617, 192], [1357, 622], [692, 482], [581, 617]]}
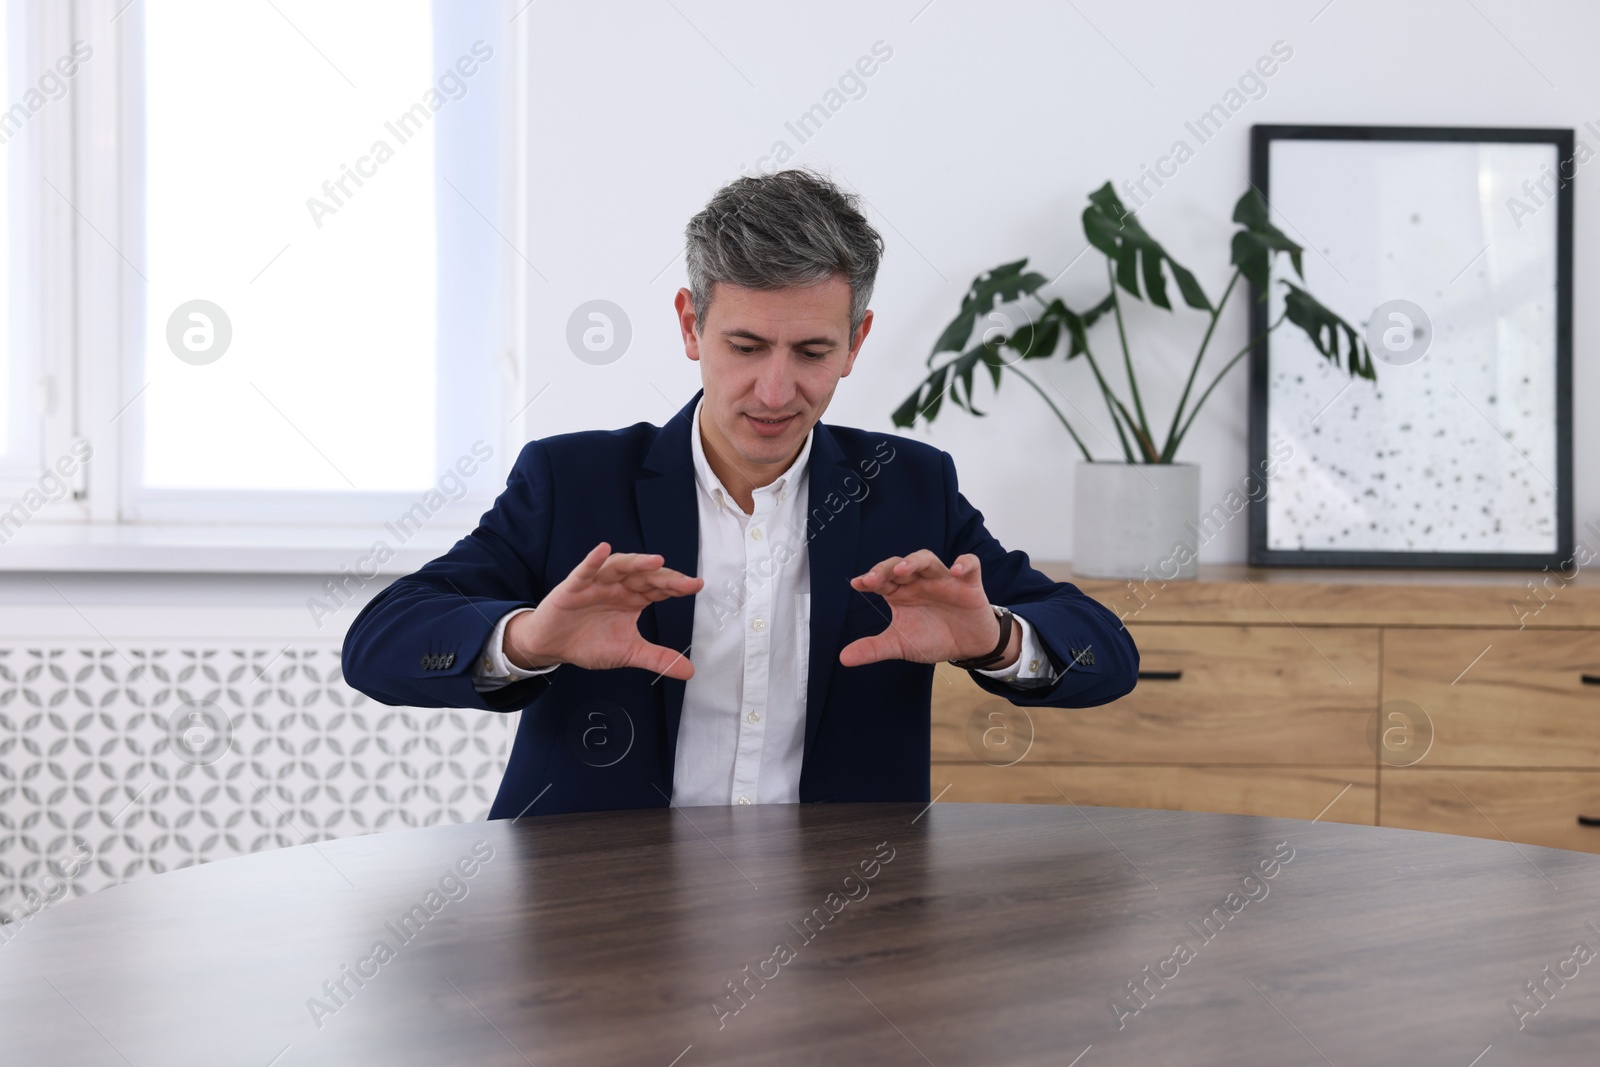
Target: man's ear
{"points": [[688, 323], [855, 343]]}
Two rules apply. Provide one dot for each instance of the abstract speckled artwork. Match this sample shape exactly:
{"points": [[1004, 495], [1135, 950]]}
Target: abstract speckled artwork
{"points": [[1438, 252]]}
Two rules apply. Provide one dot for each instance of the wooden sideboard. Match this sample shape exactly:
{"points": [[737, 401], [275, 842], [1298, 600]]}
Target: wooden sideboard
{"points": [[1460, 702]]}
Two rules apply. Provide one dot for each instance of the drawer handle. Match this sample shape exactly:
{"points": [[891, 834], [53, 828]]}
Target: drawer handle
{"points": [[1588, 820], [1173, 676], [1590, 679]]}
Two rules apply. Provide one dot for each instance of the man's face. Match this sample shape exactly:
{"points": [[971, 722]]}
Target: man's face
{"points": [[769, 354]]}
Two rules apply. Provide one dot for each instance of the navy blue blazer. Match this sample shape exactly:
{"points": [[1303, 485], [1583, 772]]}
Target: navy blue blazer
{"points": [[599, 740]]}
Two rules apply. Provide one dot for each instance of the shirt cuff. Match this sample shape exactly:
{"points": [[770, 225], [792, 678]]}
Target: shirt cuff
{"points": [[492, 669], [1032, 668]]}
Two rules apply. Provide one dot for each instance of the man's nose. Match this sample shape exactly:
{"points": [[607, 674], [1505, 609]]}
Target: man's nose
{"points": [[774, 387]]}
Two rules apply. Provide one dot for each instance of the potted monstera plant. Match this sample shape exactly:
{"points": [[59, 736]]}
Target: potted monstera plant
{"points": [[1138, 510]]}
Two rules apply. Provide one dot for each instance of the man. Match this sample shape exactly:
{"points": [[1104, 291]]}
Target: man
{"points": [[744, 605]]}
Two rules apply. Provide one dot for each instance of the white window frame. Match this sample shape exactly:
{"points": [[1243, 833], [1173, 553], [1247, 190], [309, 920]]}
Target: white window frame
{"points": [[43, 318], [107, 325]]}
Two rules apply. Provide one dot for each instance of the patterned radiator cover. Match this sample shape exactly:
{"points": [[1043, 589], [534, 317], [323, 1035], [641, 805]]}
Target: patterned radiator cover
{"points": [[118, 763]]}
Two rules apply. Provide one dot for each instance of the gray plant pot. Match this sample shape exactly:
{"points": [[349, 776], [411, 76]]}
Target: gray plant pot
{"points": [[1135, 520]]}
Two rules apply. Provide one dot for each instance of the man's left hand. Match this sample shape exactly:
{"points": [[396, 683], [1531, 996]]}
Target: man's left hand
{"points": [[937, 613]]}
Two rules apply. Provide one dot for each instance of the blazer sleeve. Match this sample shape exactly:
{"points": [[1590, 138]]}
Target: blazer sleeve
{"points": [[1092, 652], [415, 643]]}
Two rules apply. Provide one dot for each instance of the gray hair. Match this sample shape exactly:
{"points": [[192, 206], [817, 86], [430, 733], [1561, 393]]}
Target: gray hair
{"points": [[791, 228]]}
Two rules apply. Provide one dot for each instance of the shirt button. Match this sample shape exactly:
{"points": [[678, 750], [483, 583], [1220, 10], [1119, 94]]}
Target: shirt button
{"points": [[755, 534], [783, 495], [754, 715], [758, 625], [1033, 665], [744, 800]]}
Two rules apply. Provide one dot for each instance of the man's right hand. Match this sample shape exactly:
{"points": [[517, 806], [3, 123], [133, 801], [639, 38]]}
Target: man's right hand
{"points": [[591, 619]]}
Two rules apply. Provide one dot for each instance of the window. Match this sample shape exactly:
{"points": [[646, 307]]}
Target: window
{"points": [[31, 97], [11, 362], [41, 478], [297, 273]]}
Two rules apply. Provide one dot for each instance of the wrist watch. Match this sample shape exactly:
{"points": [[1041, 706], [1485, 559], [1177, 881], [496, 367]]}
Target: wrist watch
{"points": [[989, 661]]}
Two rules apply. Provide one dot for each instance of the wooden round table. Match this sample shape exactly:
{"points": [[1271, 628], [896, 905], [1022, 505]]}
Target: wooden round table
{"points": [[830, 934]]}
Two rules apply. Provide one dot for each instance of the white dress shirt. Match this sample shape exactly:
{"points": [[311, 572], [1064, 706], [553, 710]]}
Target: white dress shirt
{"points": [[741, 734]]}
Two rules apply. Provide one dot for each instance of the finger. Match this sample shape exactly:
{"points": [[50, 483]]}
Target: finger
{"points": [[622, 564], [656, 591], [590, 564], [920, 564], [866, 650], [662, 662], [876, 575], [663, 578], [967, 565], [667, 574]]}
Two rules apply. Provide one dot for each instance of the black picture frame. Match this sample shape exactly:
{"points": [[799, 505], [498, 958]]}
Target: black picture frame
{"points": [[1262, 138]]}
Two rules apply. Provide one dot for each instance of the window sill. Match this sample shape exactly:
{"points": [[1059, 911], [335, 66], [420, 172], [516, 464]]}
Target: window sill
{"points": [[106, 547]]}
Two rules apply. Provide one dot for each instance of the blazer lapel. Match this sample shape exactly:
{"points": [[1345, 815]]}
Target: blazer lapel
{"points": [[669, 517], [833, 528]]}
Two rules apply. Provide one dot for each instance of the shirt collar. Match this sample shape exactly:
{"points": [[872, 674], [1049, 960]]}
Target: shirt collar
{"points": [[712, 484]]}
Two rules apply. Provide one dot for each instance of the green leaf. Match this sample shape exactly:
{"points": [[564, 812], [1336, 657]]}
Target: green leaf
{"points": [[961, 370], [959, 373], [924, 401], [1324, 328], [1004, 284], [1117, 233], [1077, 325], [993, 362], [1254, 245], [1034, 340]]}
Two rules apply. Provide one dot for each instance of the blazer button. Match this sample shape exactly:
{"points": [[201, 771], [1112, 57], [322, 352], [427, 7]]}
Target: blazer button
{"points": [[427, 662], [449, 659]]}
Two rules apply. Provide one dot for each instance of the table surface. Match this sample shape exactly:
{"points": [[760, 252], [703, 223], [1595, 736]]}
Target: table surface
{"points": [[954, 934]]}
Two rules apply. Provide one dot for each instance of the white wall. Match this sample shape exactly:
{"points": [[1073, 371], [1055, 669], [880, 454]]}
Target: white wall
{"points": [[976, 143]]}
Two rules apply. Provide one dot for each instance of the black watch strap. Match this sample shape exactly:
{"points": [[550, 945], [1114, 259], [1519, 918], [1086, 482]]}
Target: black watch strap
{"points": [[988, 662]]}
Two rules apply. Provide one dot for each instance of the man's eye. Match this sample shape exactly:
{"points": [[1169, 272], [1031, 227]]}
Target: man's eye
{"points": [[745, 349], [816, 356]]}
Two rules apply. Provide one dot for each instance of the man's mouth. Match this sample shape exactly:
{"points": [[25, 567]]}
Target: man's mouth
{"points": [[769, 427]]}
